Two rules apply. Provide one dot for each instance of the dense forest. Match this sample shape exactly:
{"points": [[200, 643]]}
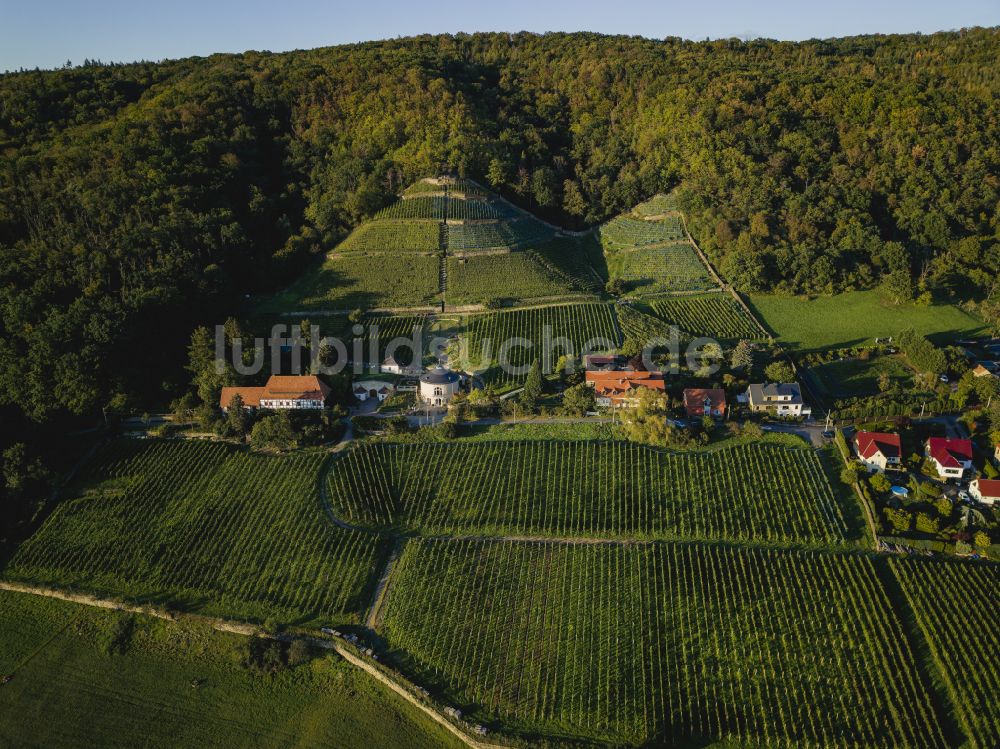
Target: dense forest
{"points": [[139, 200]]}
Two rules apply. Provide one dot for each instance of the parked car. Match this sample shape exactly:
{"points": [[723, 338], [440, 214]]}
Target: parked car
{"points": [[828, 435], [943, 378], [964, 495]]}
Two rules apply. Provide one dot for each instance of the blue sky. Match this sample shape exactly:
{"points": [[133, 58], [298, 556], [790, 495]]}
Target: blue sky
{"points": [[46, 33]]}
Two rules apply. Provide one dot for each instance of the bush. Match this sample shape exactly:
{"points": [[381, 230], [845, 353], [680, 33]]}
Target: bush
{"points": [[880, 483]]}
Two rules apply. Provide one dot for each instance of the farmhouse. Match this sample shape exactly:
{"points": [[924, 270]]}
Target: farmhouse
{"points": [[439, 386], [879, 451], [782, 399], [280, 392], [700, 402], [986, 491], [377, 389], [621, 389], [951, 457]]}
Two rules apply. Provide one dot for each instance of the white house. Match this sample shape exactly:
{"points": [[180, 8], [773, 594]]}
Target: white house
{"points": [[439, 386], [782, 399], [951, 457], [986, 491], [879, 451], [365, 389]]}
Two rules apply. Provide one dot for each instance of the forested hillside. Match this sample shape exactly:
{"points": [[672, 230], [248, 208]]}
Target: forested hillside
{"points": [[138, 200]]}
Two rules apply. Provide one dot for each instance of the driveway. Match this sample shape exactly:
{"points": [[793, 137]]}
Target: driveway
{"points": [[811, 433]]}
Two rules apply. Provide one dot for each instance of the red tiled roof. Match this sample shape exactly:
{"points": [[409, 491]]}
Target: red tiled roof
{"points": [[949, 453], [610, 384], [696, 397], [870, 443], [989, 487], [251, 396], [295, 387]]}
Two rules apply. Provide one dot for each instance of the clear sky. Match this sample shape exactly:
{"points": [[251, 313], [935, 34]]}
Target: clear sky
{"points": [[47, 33]]}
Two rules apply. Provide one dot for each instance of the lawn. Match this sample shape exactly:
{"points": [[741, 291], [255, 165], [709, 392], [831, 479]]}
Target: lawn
{"points": [[179, 684], [855, 318], [849, 378]]}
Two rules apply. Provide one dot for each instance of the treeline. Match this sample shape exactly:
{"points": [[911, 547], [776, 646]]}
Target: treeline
{"points": [[137, 201]]}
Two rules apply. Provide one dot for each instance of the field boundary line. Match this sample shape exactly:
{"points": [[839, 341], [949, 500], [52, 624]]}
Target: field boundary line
{"points": [[378, 595]]}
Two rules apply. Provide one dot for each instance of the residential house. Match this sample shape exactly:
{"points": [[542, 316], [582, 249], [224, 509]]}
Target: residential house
{"points": [[618, 389], [699, 402], [280, 392], [986, 369], [391, 365], [879, 451], [782, 399], [951, 457], [986, 491]]}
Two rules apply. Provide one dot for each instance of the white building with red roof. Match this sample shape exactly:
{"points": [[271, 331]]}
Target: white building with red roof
{"points": [[280, 392], [951, 457], [620, 389], [879, 451], [986, 491]]}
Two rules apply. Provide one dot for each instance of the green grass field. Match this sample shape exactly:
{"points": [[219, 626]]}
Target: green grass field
{"points": [[855, 318], [854, 377], [68, 691], [205, 527], [670, 644], [750, 492], [662, 269]]}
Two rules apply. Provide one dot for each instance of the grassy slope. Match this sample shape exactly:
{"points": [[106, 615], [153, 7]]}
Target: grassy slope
{"points": [[854, 377], [68, 692], [855, 318]]}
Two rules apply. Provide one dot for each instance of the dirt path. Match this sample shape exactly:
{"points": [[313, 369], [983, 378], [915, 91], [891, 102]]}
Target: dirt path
{"points": [[378, 596]]}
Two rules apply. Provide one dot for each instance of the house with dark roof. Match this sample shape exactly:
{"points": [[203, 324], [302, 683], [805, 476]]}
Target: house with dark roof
{"points": [[986, 491], [699, 402], [951, 457], [879, 451], [280, 392], [781, 399]]}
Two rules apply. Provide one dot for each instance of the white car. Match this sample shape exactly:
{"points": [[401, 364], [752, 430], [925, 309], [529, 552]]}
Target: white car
{"points": [[964, 495], [943, 378]]}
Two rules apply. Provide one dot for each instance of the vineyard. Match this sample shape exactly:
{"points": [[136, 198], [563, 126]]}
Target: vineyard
{"points": [[362, 281], [475, 209], [572, 256], [392, 236], [657, 205], [579, 323], [425, 208], [661, 643], [499, 234], [651, 270], [752, 492], [956, 608], [204, 526], [623, 231], [715, 315], [516, 275]]}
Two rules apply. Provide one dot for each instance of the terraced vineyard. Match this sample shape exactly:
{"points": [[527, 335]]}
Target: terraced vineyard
{"points": [[661, 643], [575, 258], [430, 208], [580, 323], [624, 231], [656, 206], [518, 275], [348, 282], [475, 209], [393, 236], [205, 526], [500, 234], [715, 315], [956, 606], [653, 270], [752, 492]]}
